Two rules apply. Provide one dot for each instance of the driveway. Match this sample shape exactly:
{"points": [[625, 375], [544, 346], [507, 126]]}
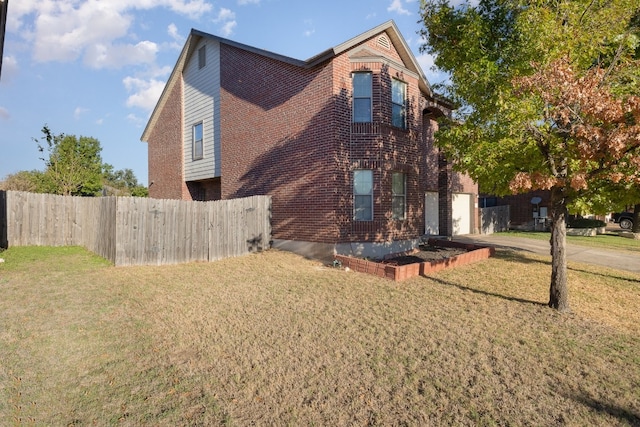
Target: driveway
{"points": [[606, 257]]}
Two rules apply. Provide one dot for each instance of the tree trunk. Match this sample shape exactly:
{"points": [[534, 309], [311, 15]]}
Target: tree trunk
{"points": [[636, 219], [559, 289]]}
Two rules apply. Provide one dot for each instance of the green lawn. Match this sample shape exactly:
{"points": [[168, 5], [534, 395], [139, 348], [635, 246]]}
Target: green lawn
{"points": [[610, 240], [275, 339]]}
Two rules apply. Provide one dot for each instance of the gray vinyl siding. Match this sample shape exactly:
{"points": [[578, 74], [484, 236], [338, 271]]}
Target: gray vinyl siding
{"points": [[201, 99]]}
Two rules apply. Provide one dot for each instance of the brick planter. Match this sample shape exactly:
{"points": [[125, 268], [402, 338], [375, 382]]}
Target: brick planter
{"points": [[402, 272]]}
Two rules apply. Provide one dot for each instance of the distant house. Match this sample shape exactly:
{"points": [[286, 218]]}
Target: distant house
{"points": [[4, 5], [343, 142], [528, 211]]}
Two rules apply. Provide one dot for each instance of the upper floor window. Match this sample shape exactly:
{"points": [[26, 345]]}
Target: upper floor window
{"points": [[398, 195], [197, 142], [363, 195], [202, 57], [398, 104], [361, 97]]}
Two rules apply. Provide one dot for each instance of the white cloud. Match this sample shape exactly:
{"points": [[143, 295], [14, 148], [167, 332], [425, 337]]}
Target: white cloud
{"points": [[244, 2], [396, 6], [79, 111], [145, 92], [138, 121], [227, 28], [4, 114], [172, 30], [65, 30], [309, 23], [178, 38], [9, 68], [225, 15], [115, 56], [227, 18]]}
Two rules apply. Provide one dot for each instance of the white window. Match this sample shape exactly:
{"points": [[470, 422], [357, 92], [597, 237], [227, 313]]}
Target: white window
{"points": [[398, 104], [361, 97], [197, 137], [363, 195], [202, 57], [398, 195]]}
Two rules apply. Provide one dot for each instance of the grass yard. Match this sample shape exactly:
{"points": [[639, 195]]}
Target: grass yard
{"points": [[609, 240], [275, 339]]}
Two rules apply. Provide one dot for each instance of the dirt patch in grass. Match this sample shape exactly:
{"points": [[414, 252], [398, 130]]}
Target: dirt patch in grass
{"points": [[275, 339]]}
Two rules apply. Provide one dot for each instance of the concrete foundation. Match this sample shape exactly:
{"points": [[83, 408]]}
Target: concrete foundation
{"points": [[325, 251]]}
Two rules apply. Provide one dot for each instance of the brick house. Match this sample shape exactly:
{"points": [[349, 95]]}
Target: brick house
{"points": [[527, 211], [343, 142]]}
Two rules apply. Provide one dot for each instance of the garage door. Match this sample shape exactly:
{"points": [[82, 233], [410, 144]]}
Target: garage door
{"points": [[461, 217]]}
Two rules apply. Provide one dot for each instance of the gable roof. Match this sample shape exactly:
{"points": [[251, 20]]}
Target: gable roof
{"points": [[195, 36]]}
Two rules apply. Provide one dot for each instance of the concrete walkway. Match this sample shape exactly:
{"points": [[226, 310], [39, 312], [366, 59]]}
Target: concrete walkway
{"points": [[619, 260]]}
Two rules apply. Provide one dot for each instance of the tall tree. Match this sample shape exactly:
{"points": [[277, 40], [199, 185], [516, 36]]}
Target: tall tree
{"points": [[547, 98], [73, 165]]}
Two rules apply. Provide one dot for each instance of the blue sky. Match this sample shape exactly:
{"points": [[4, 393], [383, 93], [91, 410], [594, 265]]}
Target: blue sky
{"points": [[97, 67]]}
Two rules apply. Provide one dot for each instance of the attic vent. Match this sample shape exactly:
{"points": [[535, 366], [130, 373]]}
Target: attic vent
{"points": [[383, 41]]}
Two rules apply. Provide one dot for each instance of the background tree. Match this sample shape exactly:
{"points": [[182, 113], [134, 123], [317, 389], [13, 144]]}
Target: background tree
{"points": [[30, 181], [122, 182], [73, 166], [547, 100]]}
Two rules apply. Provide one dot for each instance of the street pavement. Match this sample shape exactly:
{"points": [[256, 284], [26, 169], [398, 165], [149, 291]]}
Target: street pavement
{"points": [[620, 260]]}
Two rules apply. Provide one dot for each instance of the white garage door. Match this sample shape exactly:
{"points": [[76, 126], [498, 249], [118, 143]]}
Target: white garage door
{"points": [[461, 217]]}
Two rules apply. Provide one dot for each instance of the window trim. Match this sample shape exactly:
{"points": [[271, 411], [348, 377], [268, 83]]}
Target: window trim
{"points": [[354, 97], [402, 196], [402, 106], [355, 194], [197, 143]]}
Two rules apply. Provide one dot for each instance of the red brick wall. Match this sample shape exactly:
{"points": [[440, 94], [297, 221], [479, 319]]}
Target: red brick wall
{"points": [[520, 207], [384, 149], [166, 178], [287, 132], [206, 190], [277, 136]]}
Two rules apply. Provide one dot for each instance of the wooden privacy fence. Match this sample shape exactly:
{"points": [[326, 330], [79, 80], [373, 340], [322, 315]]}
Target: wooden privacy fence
{"points": [[137, 231], [495, 219]]}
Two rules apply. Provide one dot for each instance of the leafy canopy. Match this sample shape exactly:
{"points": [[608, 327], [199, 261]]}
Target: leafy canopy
{"points": [[73, 166], [547, 91]]}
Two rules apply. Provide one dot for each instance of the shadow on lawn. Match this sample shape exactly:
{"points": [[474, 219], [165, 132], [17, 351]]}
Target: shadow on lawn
{"points": [[615, 411], [491, 294], [595, 273], [517, 256]]}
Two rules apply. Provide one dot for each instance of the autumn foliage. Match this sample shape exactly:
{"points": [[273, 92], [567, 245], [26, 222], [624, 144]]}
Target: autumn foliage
{"points": [[582, 121]]}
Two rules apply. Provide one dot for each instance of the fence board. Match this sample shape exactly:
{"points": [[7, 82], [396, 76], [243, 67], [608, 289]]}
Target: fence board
{"points": [[3, 219], [137, 231], [495, 219]]}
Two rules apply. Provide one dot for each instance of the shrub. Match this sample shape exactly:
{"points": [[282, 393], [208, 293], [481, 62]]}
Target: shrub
{"points": [[584, 223]]}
